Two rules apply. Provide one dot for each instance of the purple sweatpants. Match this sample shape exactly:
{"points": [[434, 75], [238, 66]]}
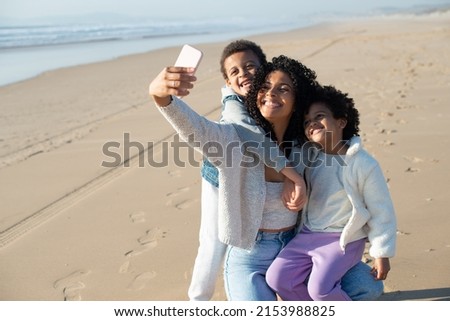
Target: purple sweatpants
{"points": [[311, 266]]}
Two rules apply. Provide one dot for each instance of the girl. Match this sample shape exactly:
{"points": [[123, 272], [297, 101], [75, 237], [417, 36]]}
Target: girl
{"points": [[348, 202]]}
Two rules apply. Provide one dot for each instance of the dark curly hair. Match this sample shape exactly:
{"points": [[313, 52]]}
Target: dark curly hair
{"points": [[341, 106], [240, 46], [304, 81]]}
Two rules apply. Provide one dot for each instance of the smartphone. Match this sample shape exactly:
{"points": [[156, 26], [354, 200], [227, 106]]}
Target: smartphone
{"points": [[189, 57]]}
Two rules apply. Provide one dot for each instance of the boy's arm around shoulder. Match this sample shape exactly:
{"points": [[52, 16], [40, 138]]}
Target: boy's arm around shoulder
{"points": [[234, 110]]}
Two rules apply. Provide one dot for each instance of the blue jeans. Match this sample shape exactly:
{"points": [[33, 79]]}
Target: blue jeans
{"points": [[245, 270], [360, 285]]}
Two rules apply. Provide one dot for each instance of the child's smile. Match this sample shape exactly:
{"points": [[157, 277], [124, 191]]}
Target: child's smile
{"points": [[322, 128]]}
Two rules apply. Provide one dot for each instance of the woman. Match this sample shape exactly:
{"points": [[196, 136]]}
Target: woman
{"points": [[252, 220]]}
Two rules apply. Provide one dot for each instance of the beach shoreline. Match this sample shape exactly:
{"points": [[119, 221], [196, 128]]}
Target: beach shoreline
{"points": [[72, 229]]}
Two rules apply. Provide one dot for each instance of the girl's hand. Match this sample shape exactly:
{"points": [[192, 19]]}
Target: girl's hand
{"points": [[294, 194], [381, 268]]}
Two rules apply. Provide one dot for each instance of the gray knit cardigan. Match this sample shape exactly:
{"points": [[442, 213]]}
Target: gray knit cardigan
{"points": [[241, 173]]}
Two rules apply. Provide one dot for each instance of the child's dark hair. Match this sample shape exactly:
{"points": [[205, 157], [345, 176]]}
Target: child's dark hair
{"points": [[240, 46], [341, 106], [304, 81]]}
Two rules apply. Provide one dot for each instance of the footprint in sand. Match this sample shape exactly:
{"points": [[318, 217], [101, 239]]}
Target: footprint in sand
{"points": [[185, 204], [146, 242], [387, 131], [402, 233], [151, 236], [386, 114], [386, 143], [180, 205], [179, 191], [141, 280], [175, 173], [73, 292], [413, 159], [141, 249], [71, 285], [138, 217], [125, 267]]}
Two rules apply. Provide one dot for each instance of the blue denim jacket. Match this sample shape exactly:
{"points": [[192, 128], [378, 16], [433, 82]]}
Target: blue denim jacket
{"points": [[208, 171]]}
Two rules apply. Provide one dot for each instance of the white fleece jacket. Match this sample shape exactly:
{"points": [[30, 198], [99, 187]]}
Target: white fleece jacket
{"points": [[373, 214]]}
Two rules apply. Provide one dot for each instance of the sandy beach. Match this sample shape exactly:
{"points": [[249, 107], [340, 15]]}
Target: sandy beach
{"points": [[75, 227]]}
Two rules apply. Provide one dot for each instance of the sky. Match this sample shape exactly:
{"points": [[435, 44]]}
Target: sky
{"points": [[26, 9]]}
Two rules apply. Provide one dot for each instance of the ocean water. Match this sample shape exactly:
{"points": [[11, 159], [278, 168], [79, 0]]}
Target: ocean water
{"points": [[28, 49]]}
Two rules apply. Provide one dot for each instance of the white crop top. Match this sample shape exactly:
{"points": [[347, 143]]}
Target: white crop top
{"points": [[276, 215]]}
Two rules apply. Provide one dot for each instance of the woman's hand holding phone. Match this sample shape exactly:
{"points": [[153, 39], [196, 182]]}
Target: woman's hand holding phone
{"points": [[176, 80]]}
